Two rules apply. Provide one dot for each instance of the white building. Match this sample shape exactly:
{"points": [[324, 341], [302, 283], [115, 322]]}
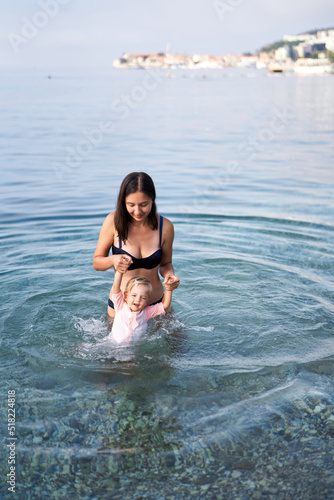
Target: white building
{"points": [[330, 40], [296, 38], [282, 54]]}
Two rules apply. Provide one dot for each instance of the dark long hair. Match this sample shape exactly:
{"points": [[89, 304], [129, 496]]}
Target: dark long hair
{"points": [[132, 183]]}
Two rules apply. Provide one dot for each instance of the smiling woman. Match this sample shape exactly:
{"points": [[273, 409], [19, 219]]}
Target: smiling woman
{"points": [[138, 205], [140, 239]]}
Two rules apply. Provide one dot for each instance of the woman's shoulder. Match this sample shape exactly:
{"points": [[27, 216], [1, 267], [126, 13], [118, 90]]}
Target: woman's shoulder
{"points": [[167, 230], [110, 220], [108, 226], [167, 224]]}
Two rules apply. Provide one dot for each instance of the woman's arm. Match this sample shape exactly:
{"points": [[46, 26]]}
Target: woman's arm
{"points": [[166, 268], [102, 260]]}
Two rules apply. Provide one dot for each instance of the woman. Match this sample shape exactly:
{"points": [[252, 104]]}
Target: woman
{"points": [[140, 239]]}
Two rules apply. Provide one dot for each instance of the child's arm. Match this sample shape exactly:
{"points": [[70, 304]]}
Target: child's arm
{"points": [[123, 265], [167, 298], [116, 287]]}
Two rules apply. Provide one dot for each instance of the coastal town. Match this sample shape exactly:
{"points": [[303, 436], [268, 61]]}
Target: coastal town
{"points": [[306, 53]]}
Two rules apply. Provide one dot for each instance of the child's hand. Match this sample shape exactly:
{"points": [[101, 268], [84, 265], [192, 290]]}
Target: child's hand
{"points": [[123, 263], [171, 282]]}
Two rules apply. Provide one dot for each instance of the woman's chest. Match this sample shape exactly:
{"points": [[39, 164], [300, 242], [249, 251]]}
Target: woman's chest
{"points": [[141, 244]]}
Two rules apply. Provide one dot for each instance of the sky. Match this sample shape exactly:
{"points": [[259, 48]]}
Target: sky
{"points": [[49, 34]]}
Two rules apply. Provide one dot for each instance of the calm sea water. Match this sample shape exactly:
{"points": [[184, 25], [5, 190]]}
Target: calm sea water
{"points": [[230, 396]]}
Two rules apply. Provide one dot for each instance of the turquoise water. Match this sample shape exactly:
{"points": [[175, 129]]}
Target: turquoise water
{"points": [[231, 395]]}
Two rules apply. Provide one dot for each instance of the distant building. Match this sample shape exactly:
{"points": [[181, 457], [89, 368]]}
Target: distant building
{"points": [[298, 51], [140, 61], [314, 48], [310, 49], [296, 38], [207, 61], [311, 44], [305, 45], [247, 60], [283, 53], [330, 40]]}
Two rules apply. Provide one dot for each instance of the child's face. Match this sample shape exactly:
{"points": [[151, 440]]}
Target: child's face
{"points": [[137, 298]]}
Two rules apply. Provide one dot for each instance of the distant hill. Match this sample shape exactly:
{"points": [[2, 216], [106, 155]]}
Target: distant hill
{"points": [[282, 43], [277, 45], [313, 32]]}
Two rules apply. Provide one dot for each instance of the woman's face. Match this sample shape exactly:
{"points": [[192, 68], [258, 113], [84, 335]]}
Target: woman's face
{"points": [[139, 205]]}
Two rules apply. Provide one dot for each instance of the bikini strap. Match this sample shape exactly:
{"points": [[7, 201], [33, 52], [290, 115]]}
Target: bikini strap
{"points": [[161, 223], [119, 241]]}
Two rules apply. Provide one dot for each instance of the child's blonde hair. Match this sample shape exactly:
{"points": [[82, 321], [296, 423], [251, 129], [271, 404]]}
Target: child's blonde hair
{"points": [[138, 280]]}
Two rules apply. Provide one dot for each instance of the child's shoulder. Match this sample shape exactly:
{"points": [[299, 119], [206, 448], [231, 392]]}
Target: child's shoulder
{"points": [[118, 300], [154, 310]]}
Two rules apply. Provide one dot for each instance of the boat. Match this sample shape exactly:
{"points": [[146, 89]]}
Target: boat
{"points": [[308, 66], [261, 65], [275, 68]]}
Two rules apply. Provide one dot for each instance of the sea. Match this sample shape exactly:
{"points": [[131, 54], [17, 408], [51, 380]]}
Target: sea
{"points": [[229, 396]]}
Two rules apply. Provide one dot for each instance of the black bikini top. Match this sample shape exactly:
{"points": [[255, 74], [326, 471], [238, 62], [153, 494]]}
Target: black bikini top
{"points": [[148, 262]]}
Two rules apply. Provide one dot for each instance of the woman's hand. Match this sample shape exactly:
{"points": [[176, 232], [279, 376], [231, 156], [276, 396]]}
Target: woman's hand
{"points": [[122, 263], [171, 282]]}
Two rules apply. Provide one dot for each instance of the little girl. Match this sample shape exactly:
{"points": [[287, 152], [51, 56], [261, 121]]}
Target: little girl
{"points": [[131, 309]]}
